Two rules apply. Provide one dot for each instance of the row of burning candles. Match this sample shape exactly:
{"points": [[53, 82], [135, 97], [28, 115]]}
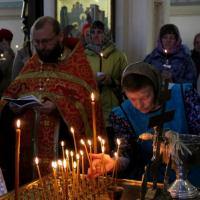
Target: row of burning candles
{"points": [[102, 142]]}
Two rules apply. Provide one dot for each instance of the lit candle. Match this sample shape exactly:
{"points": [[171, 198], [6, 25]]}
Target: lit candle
{"points": [[67, 157], [82, 162], [63, 152], [54, 167], [94, 122], [17, 157], [74, 138], [103, 145], [100, 60], [118, 145], [38, 170], [83, 143], [90, 146], [74, 176], [72, 158]]}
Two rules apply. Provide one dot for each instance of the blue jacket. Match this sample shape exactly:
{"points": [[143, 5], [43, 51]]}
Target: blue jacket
{"points": [[135, 154], [182, 67]]}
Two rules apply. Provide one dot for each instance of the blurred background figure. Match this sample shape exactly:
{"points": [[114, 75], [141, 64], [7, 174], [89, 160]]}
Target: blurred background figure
{"points": [[171, 57], [196, 57], [6, 58], [108, 63], [21, 58], [196, 52]]}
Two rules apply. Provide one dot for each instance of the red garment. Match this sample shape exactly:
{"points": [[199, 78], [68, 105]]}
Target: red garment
{"points": [[68, 84]]}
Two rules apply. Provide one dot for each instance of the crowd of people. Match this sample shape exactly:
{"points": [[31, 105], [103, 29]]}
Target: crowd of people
{"points": [[63, 71]]}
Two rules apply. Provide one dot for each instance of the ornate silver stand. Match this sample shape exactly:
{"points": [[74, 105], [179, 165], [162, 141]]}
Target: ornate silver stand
{"points": [[181, 188]]}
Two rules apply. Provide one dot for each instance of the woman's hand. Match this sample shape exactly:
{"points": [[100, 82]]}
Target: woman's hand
{"points": [[101, 163]]}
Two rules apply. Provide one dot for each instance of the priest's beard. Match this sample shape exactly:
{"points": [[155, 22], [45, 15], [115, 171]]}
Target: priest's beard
{"points": [[50, 56]]}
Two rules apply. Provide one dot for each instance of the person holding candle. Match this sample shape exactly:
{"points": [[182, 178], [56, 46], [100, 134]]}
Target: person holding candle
{"points": [[147, 97], [195, 53], [59, 75], [171, 57], [6, 58], [107, 62]]}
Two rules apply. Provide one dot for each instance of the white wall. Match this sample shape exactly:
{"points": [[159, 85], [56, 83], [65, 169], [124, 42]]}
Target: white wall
{"points": [[187, 18], [15, 26], [10, 19], [188, 26]]}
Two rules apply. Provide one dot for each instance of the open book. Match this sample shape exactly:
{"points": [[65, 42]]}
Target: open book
{"points": [[22, 102]]}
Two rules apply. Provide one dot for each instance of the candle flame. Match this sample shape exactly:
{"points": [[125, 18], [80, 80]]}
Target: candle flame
{"points": [[77, 156], [165, 50], [101, 54], [60, 162], [118, 141], [74, 165], [36, 160], [64, 163], [67, 153], [71, 153], [62, 144], [72, 130], [92, 97], [89, 142], [18, 123], [99, 138], [54, 164], [81, 152], [82, 142]]}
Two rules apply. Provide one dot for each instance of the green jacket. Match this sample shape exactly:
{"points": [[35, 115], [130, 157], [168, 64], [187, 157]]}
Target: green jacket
{"points": [[112, 63]]}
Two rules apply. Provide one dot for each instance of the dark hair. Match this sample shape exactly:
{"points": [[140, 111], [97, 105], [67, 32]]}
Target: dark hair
{"points": [[6, 34], [134, 82], [98, 24], [169, 29], [195, 38]]}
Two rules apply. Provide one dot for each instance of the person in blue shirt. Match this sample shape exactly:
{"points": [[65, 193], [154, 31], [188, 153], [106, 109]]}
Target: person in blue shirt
{"points": [[143, 86]]}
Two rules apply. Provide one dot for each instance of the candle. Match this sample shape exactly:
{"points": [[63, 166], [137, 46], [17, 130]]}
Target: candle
{"points": [[83, 143], [82, 162], [74, 138], [38, 170], [63, 152], [54, 167], [94, 122], [67, 157], [72, 158], [100, 60], [78, 167], [17, 156], [74, 177], [118, 145], [90, 146]]}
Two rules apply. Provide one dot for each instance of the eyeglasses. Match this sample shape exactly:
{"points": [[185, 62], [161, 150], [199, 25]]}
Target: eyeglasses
{"points": [[43, 42]]}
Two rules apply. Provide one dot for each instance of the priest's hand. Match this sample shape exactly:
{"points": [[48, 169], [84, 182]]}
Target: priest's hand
{"points": [[47, 107], [101, 163]]}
